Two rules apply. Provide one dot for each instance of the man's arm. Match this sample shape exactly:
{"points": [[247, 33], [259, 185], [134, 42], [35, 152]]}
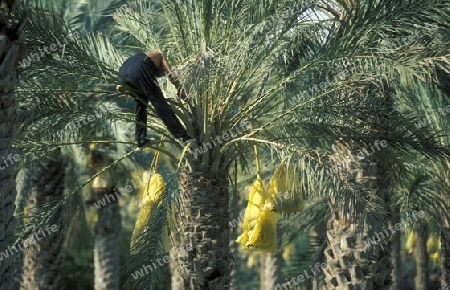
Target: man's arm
{"points": [[172, 78], [168, 72]]}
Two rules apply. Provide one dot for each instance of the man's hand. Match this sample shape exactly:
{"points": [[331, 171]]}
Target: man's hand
{"points": [[121, 89]]}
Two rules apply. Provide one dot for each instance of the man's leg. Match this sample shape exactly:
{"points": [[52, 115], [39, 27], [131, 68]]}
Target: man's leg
{"points": [[140, 132], [150, 87], [165, 113]]}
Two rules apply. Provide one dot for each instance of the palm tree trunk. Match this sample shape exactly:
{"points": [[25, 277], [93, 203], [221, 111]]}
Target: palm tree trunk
{"points": [[421, 281], [317, 244], [8, 81], [23, 188], [108, 226], [270, 270], [383, 274], [388, 250], [372, 268], [236, 277], [271, 264], [445, 258], [106, 243], [176, 279], [43, 260], [203, 225], [349, 263], [395, 247], [346, 257]]}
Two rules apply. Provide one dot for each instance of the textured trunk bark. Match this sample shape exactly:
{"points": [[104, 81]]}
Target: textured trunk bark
{"points": [[384, 266], [317, 242], [395, 248], [236, 278], [371, 269], [271, 267], [421, 281], [445, 258], [387, 257], [43, 260], [203, 225], [106, 243], [8, 81], [176, 280], [350, 265], [23, 187]]}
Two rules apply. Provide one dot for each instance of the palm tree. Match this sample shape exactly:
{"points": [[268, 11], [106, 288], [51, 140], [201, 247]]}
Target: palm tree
{"points": [[237, 279], [442, 173], [10, 53], [422, 279], [395, 246], [53, 123], [349, 263], [107, 228], [271, 264], [231, 75], [106, 245], [44, 259], [203, 178]]}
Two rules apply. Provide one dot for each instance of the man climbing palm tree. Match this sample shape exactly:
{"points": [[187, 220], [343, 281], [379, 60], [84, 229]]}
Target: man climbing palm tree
{"points": [[139, 74]]}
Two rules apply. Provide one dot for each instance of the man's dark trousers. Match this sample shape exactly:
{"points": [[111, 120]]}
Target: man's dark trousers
{"points": [[137, 72]]}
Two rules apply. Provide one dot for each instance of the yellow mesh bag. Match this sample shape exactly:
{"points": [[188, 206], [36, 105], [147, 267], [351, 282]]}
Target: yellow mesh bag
{"points": [[264, 235], [286, 190], [434, 250], [289, 252], [258, 194], [155, 188], [410, 242], [433, 244], [260, 220], [436, 259], [256, 200], [152, 193]]}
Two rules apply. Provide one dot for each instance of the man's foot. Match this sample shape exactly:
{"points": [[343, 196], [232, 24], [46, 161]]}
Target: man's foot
{"points": [[187, 141], [145, 142]]}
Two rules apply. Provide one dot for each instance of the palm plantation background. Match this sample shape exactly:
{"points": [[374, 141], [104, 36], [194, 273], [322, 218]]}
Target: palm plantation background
{"points": [[319, 82]]}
